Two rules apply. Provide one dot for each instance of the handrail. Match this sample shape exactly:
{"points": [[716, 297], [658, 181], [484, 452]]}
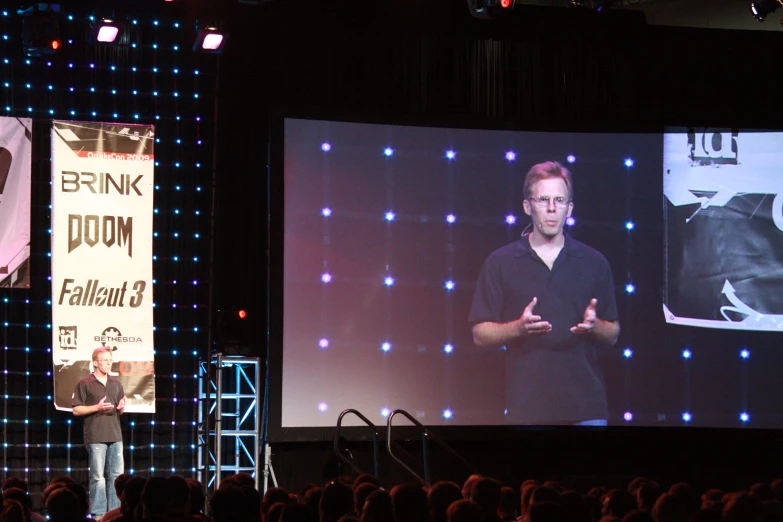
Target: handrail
{"points": [[345, 459], [425, 434]]}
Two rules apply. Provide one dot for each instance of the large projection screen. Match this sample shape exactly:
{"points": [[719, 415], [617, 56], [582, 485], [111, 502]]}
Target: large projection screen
{"points": [[386, 228]]}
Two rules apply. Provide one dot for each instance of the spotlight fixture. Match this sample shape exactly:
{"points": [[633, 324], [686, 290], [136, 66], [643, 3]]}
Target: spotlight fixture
{"points": [[490, 9], [211, 39], [106, 31], [762, 8], [40, 29]]}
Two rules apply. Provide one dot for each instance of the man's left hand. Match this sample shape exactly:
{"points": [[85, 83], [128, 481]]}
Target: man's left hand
{"points": [[121, 405], [588, 323]]}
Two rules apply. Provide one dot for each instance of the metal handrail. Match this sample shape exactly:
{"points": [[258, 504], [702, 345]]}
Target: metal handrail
{"points": [[345, 459], [425, 435]]}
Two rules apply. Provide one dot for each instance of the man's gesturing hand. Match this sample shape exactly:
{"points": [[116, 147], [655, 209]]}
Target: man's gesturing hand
{"points": [[588, 323], [105, 406], [532, 324]]}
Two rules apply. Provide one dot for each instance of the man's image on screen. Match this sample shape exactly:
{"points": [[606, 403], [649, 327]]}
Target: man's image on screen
{"points": [[549, 299]]}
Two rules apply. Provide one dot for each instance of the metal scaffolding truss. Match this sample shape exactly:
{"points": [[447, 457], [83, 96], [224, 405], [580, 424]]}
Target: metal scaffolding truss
{"points": [[229, 421]]}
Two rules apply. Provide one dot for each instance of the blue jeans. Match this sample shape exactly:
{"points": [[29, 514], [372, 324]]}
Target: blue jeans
{"points": [[594, 422], [104, 456]]}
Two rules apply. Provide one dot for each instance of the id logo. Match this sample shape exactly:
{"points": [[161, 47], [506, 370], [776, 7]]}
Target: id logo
{"points": [[67, 337], [713, 147]]}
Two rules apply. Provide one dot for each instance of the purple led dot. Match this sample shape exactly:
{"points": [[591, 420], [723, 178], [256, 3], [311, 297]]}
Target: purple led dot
{"points": [[326, 147], [322, 407], [447, 414], [326, 278], [571, 158], [323, 343], [511, 156], [385, 412], [510, 219], [451, 218], [326, 212], [386, 346], [570, 221], [388, 281], [628, 416]]}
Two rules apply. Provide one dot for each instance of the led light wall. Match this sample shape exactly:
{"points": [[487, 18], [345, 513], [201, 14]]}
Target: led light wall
{"points": [[153, 77]]}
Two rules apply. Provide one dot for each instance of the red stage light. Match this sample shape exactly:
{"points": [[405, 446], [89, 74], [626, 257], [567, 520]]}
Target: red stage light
{"points": [[55, 44], [242, 314], [505, 4]]}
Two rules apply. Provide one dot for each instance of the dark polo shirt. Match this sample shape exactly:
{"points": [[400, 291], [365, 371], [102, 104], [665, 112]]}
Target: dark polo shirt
{"points": [[101, 426], [552, 378]]}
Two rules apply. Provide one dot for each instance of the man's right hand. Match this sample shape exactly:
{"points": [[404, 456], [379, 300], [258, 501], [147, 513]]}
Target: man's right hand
{"points": [[530, 324]]}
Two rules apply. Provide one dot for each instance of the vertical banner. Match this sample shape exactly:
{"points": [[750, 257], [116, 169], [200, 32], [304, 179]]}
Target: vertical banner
{"points": [[102, 209], [723, 192], [15, 168]]}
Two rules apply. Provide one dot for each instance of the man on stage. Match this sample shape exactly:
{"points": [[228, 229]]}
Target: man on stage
{"points": [[100, 399], [549, 299]]}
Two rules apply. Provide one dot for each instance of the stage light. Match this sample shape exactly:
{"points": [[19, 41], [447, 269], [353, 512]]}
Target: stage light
{"points": [[571, 158], [510, 156], [451, 218], [744, 354], [447, 414], [686, 354], [106, 31], [390, 216], [449, 285], [762, 8], [489, 9], [448, 348], [744, 417], [385, 412], [40, 29], [450, 154], [628, 416], [629, 225], [630, 288], [627, 353], [326, 278], [210, 39], [510, 219], [570, 221], [386, 346], [242, 314], [629, 162], [686, 417], [388, 151], [323, 343], [388, 281]]}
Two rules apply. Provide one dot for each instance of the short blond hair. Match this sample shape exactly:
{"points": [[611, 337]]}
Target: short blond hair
{"points": [[547, 170], [98, 351]]}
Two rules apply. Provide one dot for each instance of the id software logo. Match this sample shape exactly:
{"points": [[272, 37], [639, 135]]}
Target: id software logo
{"points": [[67, 337]]}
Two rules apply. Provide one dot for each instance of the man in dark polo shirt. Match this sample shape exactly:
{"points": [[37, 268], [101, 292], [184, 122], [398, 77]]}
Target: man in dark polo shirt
{"points": [[549, 299], [100, 399]]}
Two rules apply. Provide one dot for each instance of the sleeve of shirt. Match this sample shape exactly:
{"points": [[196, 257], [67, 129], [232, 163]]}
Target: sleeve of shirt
{"points": [[79, 395], [607, 302], [488, 298]]}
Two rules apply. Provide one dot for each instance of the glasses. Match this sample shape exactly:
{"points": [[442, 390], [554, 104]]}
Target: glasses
{"points": [[103, 360], [543, 202]]}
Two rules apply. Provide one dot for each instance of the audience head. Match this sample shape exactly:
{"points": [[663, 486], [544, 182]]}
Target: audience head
{"points": [[227, 505], [464, 511], [670, 508], [544, 494], [547, 512], [63, 505], [131, 496], [617, 503], [298, 513], [275, 512], [508, 509], [741, 507], [155, 497], [366, 478], [197, 496], [762, 491], [576, 507], [467, 487], [14, 482], [378, 507], [360, 494], [20, 496], [13, 510], [486, 493], [440, 496], [272, 497], [179, 503], [119, 484], [409, 503], [647, 494], [336, 501]]}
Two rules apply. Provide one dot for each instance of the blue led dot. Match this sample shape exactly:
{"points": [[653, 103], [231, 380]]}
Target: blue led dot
{"points": [[388, 152], [449, 285], [744, 354], [390, 216], [448, 348], [686, 417], [450, 154], [447, 414], [628, 162], [388, 281], [386, 346], [744, 417], [627, 353], [629, 288], [629, 225], [686, 354]]}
